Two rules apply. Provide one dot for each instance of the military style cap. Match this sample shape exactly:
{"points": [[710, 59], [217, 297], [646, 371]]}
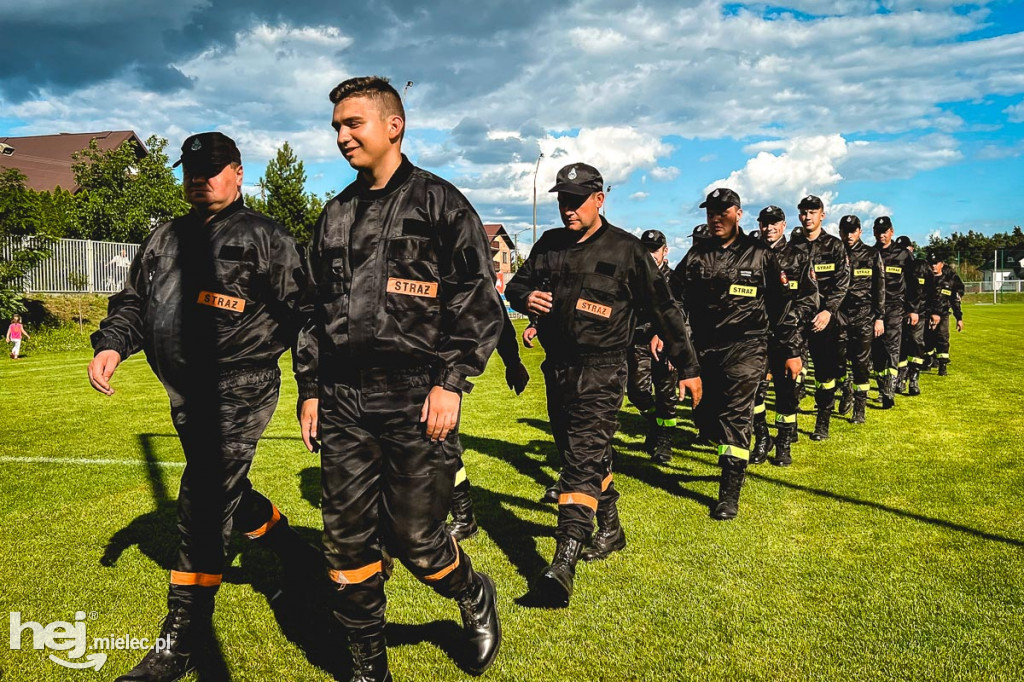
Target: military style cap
{"points": [[903, 241], [882, 224], [653, 239], [770, 215], [701, 231], [208, 152], [936, 256], [849, 223], [722, 197], [578, 178], [810, 202]]}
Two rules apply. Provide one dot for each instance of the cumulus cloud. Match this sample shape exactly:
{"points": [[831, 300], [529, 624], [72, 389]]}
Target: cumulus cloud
{"points": [[1015, 113], [639, 196]]}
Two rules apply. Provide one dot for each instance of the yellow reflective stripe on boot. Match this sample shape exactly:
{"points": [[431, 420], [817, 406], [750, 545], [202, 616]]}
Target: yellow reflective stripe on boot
{"points": [[827, 385], [759, 409], [196, 579], [733, 451], [785, 419], [862, 387], [665, 422], [275, 516], [434, 577], [461, 476]]}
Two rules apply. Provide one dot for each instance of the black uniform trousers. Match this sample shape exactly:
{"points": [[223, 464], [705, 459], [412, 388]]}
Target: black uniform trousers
{"points": [[912, 343], [385, 485], [860, 334], [645, 374], [937, 340], [826, 355], [584, 396], [885, 350], [786, 406], [219, 430], [730, 378]]}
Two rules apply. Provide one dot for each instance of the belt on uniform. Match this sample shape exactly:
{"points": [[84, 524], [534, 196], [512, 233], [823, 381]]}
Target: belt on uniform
{"points": [[589, 359], [382, 378]]}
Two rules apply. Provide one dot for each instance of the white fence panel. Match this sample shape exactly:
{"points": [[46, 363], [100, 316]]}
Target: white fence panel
{"points": [[101, 267]]}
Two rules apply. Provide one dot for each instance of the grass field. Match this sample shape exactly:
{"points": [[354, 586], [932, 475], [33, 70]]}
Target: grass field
{"points": [[892, 551]]}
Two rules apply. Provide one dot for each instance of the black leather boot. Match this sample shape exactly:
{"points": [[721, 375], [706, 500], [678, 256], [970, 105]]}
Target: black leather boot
{"points": [[463, 524], [860, 401], [609, 536], [763, 442], [184, 630], [821, 424], [846, 397], [943, 362], [901, 380], [913, 375], [369, 653], [555, 584], [662, 452], [550, 494], [783, 438], [480, 623], [887, 391], [652, 434], [733, 473]]}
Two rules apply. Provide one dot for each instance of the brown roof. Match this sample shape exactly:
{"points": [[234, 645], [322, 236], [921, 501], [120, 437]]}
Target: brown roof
{"points": [[495, 230], [46, 159]]}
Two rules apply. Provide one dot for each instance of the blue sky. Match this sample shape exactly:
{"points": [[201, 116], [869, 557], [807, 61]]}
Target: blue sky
{"points": [[911, 109]]}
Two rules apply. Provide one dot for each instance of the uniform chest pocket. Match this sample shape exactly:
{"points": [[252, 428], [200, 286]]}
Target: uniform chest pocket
{"points": [[413, 282], [234, 275], [598, 299], [746, 283], [332, 282]]}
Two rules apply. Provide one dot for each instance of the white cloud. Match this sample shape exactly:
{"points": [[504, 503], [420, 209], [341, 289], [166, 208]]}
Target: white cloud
{"points": [[901, 158], [639, 196], [1015, 113], [665, 173]]}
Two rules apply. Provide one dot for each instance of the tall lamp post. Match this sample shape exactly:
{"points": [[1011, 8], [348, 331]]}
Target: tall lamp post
{"points": [[607, 191], [408, 84], [535, 171], [515, 239]]}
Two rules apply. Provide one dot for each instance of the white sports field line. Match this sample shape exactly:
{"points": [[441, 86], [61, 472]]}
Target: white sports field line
{"points": [[82, 460]]}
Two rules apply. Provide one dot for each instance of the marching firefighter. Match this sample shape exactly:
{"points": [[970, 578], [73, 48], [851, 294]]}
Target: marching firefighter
{"points": [[902, 299], [863, 312], [801, 292], [912, 348], [831, 268], [734, 289], [407, 312], [945, 292], [586, 285], [213, 298], [646, 373]]}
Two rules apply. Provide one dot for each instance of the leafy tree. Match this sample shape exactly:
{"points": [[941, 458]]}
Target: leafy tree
{"points": [[123, 196], [20, 219]]}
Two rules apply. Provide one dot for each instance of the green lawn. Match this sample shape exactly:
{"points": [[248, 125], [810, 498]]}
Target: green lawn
{"points": [[892, 551]]}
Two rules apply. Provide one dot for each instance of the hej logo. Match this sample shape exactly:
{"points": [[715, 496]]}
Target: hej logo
{"points": [[58, 636]]}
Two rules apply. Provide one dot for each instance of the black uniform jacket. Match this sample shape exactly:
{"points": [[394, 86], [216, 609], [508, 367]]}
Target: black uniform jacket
{"points": [[944, 293], [600, 287], [217, 298], [800, 293], [901, 279], [740, 292], [867, 282], [402, 278], [644, 329], [831, 267]]}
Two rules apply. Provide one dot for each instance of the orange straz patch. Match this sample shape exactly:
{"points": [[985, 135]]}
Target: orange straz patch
{"points": [[412, 287], [594, 308], [221, 301]]}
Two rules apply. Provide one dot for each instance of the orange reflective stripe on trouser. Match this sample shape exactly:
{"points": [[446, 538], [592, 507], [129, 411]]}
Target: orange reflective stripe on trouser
{"points": [[606, 482], [578, 498], [197, 579], [356, 575], [275, 516], [433, 577]]}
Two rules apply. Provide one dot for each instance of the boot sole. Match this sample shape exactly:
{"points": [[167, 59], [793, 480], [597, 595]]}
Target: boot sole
{"points": [[484, 665], [601, 556], [552, 593]]}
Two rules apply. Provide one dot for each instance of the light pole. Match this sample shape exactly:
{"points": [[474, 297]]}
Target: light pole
{"points": [[607, 191], [515, 239], [408, 84], [535, 171]]}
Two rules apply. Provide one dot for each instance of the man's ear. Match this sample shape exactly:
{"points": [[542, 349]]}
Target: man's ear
{"points": [[396, 126]]}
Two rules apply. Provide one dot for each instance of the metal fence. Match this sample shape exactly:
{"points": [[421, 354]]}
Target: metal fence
{"points": [[76, 266], [1009, 286]]}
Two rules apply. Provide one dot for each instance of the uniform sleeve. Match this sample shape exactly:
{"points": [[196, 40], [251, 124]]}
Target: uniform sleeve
{"points": [[958, 292], [306, 353], [915, 298], [471, 318], [662, 309], [786, 321], [508, 343], [122, 329], [878, 289], [841, 279]]}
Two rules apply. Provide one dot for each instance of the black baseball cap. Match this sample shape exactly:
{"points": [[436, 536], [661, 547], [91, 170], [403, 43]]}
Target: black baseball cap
{"points": [[208, 152], [770, 215], [849, 223], [936, 257], [653, 239], [882, 224], [902, 241], [578, 178], [722, 197], [810, 202], [701, 231]]}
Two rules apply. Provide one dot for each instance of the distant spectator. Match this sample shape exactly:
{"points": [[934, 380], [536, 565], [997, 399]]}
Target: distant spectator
{"points": [[14, 334], [118, 269]]}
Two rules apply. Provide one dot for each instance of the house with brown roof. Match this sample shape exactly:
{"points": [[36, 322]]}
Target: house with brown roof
{"points": [[46, 159], [502, 247]]}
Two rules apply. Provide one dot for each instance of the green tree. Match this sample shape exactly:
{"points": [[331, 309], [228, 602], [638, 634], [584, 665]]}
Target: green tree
{"points": [[124, 196], [286, 201], [24, 241]]}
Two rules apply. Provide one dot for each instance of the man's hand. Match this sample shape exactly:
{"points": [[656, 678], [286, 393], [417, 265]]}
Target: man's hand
{"points": [[934, 321], [657, 345], [821, 320], [960, 325], [440, 412], [539, 302], [309, 422], [102, 368], [517, 377], [695, 389], [793, 367], [913, 318], [879, 328], [529, 334]]}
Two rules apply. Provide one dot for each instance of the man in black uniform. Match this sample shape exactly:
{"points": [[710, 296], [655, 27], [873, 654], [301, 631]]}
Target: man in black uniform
{"points": [[800, 292], [912, 350], [214, 299], [901, 302], [647, 373], [586, 285], [863, 313], [826, 335], [735, 294], [406, 312], [944, 293]]}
